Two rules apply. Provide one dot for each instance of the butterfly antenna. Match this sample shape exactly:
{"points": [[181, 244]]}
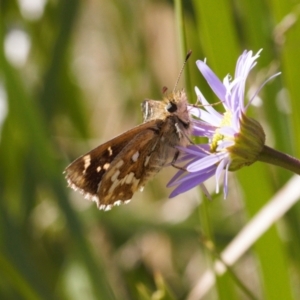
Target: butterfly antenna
{"points": [[180, 73]]}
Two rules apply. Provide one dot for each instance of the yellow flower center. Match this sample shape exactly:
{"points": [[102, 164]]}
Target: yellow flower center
{"points": [[226, 121]]}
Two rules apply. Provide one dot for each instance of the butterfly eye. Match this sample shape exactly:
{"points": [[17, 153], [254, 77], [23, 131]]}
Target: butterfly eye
{"points": [[171, 107]]}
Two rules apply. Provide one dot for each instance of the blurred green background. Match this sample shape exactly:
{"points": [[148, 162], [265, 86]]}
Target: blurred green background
{"points": [[73, 75]]}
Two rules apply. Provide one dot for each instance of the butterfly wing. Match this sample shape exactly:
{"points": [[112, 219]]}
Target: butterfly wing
{"points": [[153, 110], [138, 162], [116, 169]]}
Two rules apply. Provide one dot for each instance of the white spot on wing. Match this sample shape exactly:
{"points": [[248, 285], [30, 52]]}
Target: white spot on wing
{"points": [[106, 166], [110, 152], [115, 176], [113, 186], [129, 178], [146, 161], [135, 156], [118, 203], [87, 162], [95, 199], [99, 169], [119, 164], [108, 207]]}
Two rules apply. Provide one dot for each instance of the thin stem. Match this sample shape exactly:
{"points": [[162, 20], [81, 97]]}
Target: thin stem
{"points": [[207, 234], [211, 247], [180, 27], [277, 158], [179, 17]]}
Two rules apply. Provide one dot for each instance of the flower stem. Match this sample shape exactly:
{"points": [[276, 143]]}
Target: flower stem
{"points": [[180, 27], [179, 17], [274, 157]]}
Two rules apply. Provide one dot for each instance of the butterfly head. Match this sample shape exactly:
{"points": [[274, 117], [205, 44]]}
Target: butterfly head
{"points": [[176, 104]]}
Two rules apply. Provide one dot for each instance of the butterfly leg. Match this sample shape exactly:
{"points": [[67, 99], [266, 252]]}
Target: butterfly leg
{"points": [[174, 161]]}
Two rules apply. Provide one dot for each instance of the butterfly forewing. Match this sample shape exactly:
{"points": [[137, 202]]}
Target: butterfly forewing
{"points": [[86, 172]]}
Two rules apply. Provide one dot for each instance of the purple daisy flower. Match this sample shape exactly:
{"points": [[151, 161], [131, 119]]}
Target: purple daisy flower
{"points": [[234, 140]]}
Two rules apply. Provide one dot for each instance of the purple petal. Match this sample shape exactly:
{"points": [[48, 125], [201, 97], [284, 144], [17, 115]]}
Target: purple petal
{"points": [[246, 63], [201, 132], [219, 171], [175, 180], [192, 182], [236, 96], [205, 162], [201, 128], [210, 119], [213, 81], [189, 176], [195, 150], [225, 187]]}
